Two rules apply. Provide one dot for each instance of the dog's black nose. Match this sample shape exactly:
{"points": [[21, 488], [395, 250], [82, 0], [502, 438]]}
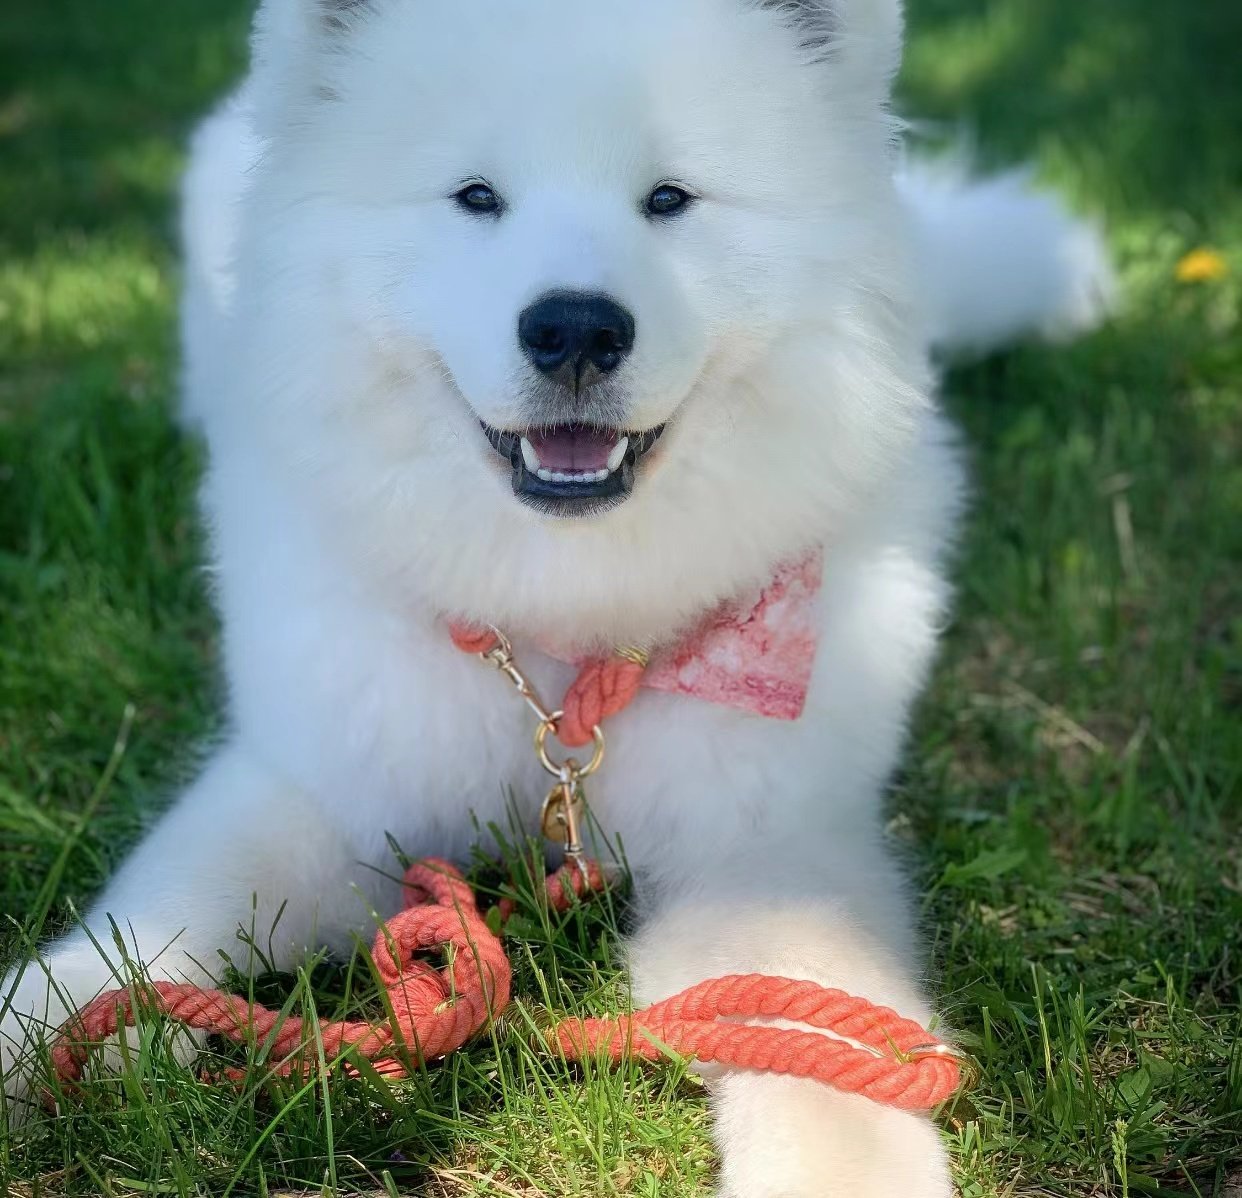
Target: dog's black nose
{"points": [[576, 338]]}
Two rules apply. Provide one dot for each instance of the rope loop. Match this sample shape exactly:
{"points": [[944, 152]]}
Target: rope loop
{"points": [[603, 689], [870, 1050]]}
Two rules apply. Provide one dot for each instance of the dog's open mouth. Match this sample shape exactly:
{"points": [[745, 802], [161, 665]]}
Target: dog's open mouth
{"points": [[572, 469]]}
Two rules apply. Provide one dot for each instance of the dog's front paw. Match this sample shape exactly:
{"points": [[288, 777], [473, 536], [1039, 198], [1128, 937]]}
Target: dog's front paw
{"points": [[36, 1000], [30, 1011], [783, 1138]]}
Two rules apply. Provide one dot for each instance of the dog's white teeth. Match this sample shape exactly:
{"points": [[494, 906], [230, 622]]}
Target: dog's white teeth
{"points": [[537, 468], [579, 476], [617, 456]]}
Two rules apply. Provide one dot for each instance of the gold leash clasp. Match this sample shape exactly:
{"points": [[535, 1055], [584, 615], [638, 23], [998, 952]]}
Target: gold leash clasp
{"points": [[565, 807], [563, 813]]}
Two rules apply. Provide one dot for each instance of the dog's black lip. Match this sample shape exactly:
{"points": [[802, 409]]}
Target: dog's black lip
{"points": [[571, 499]]}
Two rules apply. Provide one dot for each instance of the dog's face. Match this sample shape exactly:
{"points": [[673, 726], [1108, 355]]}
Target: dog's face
{"points": [[584, 245]]}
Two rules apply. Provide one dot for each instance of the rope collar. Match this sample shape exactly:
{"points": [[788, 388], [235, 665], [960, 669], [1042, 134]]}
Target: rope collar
{"points": [[755, 654]]}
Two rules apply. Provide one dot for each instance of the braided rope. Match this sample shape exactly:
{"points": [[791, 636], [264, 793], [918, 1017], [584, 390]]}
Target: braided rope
{"points": [[435, 1012], [604, 687], [880, 1055], [689, 1024]]}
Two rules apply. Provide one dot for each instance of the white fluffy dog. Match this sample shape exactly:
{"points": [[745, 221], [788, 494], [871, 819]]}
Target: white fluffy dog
{"points": [[452, 268]]}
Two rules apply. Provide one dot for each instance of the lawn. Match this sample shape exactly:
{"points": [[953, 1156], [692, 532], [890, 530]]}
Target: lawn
{"points": [[1070, 799]]}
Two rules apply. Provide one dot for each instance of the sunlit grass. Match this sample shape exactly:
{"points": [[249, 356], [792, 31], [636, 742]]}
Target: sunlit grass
{"points": [[79, 297]]}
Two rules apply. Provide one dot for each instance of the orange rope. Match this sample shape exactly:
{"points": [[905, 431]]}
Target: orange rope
{"points": [[435, 1012], [887, 1071], [604, 687], [472, 640]]}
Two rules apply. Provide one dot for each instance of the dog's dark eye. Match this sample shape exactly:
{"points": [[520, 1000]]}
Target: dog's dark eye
{"points": [[667, 199], [478, 198]]}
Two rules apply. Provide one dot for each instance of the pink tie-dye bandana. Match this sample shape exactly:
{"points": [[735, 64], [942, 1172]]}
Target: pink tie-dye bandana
{"points": [[755, 654]]}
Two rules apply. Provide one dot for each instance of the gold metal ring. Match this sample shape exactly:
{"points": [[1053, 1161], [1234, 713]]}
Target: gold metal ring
{"points": [[557, 769], [970, 1072], [938, 1049], [640, 657]]}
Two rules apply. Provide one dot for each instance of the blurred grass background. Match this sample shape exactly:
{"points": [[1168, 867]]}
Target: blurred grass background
{"points": [[1071, 798]]}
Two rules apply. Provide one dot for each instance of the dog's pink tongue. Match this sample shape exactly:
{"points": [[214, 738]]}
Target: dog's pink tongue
{"points": [[573, 447]]}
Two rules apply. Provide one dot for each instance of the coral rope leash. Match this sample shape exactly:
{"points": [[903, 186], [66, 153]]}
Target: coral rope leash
{"points": [[871, 1050], [604, 686], [434, 1013]]}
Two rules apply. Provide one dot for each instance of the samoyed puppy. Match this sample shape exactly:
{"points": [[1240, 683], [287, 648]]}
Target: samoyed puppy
{"points": [[580, 320]]}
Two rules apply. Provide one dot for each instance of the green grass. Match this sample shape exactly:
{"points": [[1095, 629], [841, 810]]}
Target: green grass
{"points": [[1071, 798]]}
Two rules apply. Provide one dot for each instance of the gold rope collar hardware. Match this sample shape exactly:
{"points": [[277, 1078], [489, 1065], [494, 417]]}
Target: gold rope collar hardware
{"points": [[565, 806]]}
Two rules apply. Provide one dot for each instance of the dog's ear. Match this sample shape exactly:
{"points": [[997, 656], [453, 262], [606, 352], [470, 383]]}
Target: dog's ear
{"points": [[337, 14], [865, 33], [295, 47]]}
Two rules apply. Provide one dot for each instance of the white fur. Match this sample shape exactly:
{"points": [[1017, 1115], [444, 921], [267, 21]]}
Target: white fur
{"points": [[345, 328], [223, 152], [997, 259]]}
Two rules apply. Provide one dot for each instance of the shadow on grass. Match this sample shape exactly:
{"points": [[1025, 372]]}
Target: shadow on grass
{"points": [[1144, 99]]}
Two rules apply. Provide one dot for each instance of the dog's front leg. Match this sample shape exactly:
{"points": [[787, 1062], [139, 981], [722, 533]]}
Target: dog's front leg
{"points": [[240, 855], [835, 917]]}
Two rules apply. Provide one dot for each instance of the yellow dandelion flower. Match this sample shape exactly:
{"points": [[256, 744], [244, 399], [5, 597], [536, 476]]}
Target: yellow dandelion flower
{"points": [[1202, 266]]}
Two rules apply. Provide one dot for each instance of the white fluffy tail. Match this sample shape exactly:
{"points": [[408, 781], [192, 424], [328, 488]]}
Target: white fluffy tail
{"points": [[998, 260], [222, 153]]}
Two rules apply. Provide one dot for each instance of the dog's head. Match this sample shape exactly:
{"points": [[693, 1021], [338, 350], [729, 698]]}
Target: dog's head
{"points": [[624, 261]]}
